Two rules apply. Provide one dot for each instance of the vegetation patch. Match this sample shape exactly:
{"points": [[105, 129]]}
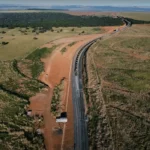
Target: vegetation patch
{"points": [[36, 66], [123, 64], [15, 67], [63, 50], [16, 129], [40, 53], [47, 20], [136, 15], [13, 82], [131, 79], [96, 29], [55, 104], [5, 43], [71, 44]]}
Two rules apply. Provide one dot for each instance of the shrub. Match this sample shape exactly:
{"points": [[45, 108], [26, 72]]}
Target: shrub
{"points": [[5, 43], [35, 38], [3, 32]]}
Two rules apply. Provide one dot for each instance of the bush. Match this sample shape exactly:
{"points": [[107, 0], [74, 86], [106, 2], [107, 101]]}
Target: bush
{"points": [[3, 32], [64, 50], [35, 38], [5, 43]]}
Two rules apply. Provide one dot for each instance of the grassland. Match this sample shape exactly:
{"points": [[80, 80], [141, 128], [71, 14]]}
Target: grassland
{"points": [[17, 130], [22, 41], [19, 82], [122, 63]]}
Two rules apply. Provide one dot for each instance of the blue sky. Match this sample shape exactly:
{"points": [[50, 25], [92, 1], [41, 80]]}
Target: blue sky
{"points": [[79, 2]]}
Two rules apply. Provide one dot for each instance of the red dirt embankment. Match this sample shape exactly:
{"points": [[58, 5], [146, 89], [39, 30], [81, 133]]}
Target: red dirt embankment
{"points": [[58, 66]]}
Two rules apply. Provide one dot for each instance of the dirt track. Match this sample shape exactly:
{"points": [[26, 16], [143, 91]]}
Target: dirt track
{"points": [[57, 67]]}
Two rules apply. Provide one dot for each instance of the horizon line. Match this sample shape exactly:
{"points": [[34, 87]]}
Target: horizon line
{"points": [[75, 5]]}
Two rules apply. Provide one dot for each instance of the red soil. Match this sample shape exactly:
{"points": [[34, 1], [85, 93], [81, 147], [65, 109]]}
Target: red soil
{"points": [[110, 29]]}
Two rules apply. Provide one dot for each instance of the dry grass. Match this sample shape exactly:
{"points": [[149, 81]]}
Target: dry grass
{"points": [[123, 65], [21, 45]]}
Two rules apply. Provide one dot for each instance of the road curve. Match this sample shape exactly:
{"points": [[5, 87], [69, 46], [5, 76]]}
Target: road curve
{"points": [[80, 124]]}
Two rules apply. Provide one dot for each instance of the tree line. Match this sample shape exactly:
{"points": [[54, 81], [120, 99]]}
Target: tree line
{"points": [[50, 19], [47, 20], [133, 21]]}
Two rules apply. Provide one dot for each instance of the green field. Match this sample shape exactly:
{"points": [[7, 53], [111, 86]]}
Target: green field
{"points": [[122, 63], [22, 42]]}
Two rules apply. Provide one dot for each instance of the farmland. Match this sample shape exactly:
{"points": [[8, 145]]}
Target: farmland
{"points": [[119, 86]]}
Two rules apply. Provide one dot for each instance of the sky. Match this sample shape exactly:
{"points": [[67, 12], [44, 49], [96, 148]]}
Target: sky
{"points": [[79, 2]]}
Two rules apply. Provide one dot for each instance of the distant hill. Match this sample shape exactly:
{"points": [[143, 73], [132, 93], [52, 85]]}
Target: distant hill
{"points": [[48, 9], [77, 8]]}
